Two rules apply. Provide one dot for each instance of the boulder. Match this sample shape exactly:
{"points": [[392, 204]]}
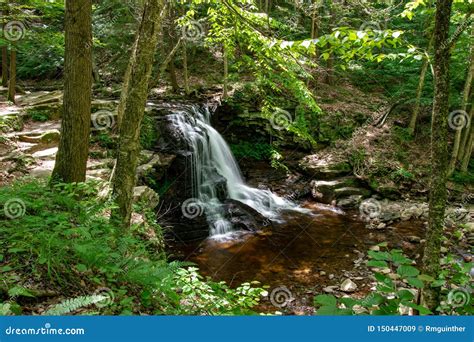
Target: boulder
{"points": [[145, 195], [48, 137], [324, 167], [350, 202]]}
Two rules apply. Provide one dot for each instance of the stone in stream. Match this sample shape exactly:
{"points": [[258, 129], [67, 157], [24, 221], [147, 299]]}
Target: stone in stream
{"points": [[348, 286]]}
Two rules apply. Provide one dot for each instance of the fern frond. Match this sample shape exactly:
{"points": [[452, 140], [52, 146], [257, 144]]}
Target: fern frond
{"points": [[73, 304]]}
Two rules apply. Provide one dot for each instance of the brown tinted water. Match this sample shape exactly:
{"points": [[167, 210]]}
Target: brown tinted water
{"points": [[299, 253]]}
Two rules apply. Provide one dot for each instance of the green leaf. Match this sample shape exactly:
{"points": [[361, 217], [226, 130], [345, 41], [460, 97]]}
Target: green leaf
{"points": [[379, 255], [405, 295], [18, 291], [81, 267], [426, 278], [421, 309], [415, 282], [377, 263], [438, 283], [407, 271], [325, 300]]}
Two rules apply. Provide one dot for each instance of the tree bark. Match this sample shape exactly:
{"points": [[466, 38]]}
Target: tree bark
{"points": [[170, 32], [71, 159], [226, 74], [419, 90], [439, 152], [12, 80], [457, 147], [185, 68], [4, 66], [134, 107], [468, 151]]}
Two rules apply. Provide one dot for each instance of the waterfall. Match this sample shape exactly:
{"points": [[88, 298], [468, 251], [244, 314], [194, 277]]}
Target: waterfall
{"points": [[212, 159]]}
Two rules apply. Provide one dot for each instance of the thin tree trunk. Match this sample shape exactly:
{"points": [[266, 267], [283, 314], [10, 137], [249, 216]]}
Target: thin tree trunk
{"points": [[457, 150], [126, 81], [134, 107], [439, 152], [330, 61], [419, 90], [226, 73], [468, 153], [4, 66], [12, 80], [185, 68], [71, 159]]}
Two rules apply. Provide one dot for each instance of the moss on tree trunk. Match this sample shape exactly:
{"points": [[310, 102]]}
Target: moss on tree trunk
{"points": [[439, 151], [133, 110]]}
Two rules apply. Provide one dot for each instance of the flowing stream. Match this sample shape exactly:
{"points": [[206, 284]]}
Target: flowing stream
{"points": [[212, 159]]}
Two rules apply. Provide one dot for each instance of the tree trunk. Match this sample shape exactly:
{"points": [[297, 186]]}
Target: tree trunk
{"points": [[185, 68], [419, 90], [71, 159], [4, 66], [126, 81], [134, 107], [12, 80], [330, 62], [457, 148], [226, 73], [468, 151], [439, 152]]}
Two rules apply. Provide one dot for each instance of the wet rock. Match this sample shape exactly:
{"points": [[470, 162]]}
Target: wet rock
{"points": [[244, 217], [348, 286], [331, 276], [325, 191], [146, 196], [350, 202]]}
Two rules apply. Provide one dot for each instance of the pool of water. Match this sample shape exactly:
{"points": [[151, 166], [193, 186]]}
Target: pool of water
{"points": [[303, 253]]}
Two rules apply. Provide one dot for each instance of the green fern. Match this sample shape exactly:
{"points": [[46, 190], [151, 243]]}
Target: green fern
{"points": [[73, 304]]}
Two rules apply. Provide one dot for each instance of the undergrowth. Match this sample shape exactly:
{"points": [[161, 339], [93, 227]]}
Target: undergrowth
{"points": [[58, 243]]}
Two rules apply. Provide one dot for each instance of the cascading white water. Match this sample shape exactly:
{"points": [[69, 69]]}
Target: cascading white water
{"points": [[211, 157]]}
